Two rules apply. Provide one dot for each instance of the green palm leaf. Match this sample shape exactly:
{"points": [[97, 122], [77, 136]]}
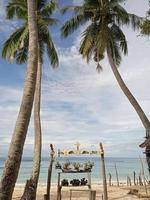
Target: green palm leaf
{"points": [[145, 27], [76, 9], [86, 48], [16, 8], [71, 25], [21, 56], [51, 51], [16, 47], [104, 21], [49, 8], [13, 43], [119, 36]]}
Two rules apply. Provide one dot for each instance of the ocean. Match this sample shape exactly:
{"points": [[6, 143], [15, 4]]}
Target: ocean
{"points": [[125, 167]]}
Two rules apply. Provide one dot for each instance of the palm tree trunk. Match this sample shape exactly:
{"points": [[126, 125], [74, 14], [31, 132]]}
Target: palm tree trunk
{"points": [[103, 172], [37, 127], [135, 104], [13, 161], [31, 185]]}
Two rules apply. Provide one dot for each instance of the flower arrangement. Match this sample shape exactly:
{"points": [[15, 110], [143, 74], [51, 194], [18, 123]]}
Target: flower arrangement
{"points": [[83, 181], [67, 165], [88, 165], [64, 182], [77, 166], [75, 182]]}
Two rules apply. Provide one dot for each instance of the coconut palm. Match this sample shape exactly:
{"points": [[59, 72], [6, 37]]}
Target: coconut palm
{"points": [[13, 161], [16, 47], [103, 37]]}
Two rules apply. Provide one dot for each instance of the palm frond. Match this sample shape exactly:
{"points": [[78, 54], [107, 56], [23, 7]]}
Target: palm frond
{"points": [[41, 4], [21, 55], [42, 28], [50, 21], [118, 1], [135, 21], [101, 41], [42, 51], [87, 43], [76, 9], [13, 43], [71, 25], [51, 51], [48, 9], [120, 15], [145, 27], [115, 51], [90, 3], [16, 8], [119, 37], [16, 47]]}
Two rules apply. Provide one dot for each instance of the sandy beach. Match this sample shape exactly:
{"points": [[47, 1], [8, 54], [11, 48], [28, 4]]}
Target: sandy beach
{"points": [[114, 192]]}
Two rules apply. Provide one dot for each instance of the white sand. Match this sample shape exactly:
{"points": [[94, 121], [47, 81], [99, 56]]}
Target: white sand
{"points": [[114, 192]]}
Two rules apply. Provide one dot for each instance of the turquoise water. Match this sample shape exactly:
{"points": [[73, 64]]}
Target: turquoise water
{"points": [[125, 167]]}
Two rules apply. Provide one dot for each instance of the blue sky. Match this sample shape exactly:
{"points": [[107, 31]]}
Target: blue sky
{"points": [[78, 104]]}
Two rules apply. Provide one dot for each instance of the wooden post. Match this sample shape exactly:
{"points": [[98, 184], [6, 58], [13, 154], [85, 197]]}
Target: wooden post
{"points": [[137, 181], [93, 195], [103, 171], [47, 195], [129, 181], [143, 175], [134, 178], [109, 179], [140, 180], [117, 175], [89, 179], [58, 188]]}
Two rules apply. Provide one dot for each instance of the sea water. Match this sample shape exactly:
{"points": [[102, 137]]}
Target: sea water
{"points": [[125, 167]]}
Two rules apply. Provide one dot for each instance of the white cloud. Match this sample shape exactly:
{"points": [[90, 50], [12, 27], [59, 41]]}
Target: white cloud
{"points": [[80, 104]]}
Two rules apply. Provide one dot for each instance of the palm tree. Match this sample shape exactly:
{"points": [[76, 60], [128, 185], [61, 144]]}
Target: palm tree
{"points": [[103, 36], [16, 47], [13, 161]]}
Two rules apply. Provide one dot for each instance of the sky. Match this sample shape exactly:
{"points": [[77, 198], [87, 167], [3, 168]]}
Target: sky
{"points": [[79, 104]]}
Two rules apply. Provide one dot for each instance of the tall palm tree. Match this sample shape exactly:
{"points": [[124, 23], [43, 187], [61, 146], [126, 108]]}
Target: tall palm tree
{"points": [[13, 161], [103, 36], [16, 47]]}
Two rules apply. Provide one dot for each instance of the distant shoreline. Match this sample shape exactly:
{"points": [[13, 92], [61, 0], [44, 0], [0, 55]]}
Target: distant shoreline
{"points": [[125, 167], [25, 158]]}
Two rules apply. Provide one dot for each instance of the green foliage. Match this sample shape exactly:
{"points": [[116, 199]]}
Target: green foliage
{"points": [[103, 30], [145, 27], [71, 25], [16, 8], [13, 47], [48, 9], [16, 47]]}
